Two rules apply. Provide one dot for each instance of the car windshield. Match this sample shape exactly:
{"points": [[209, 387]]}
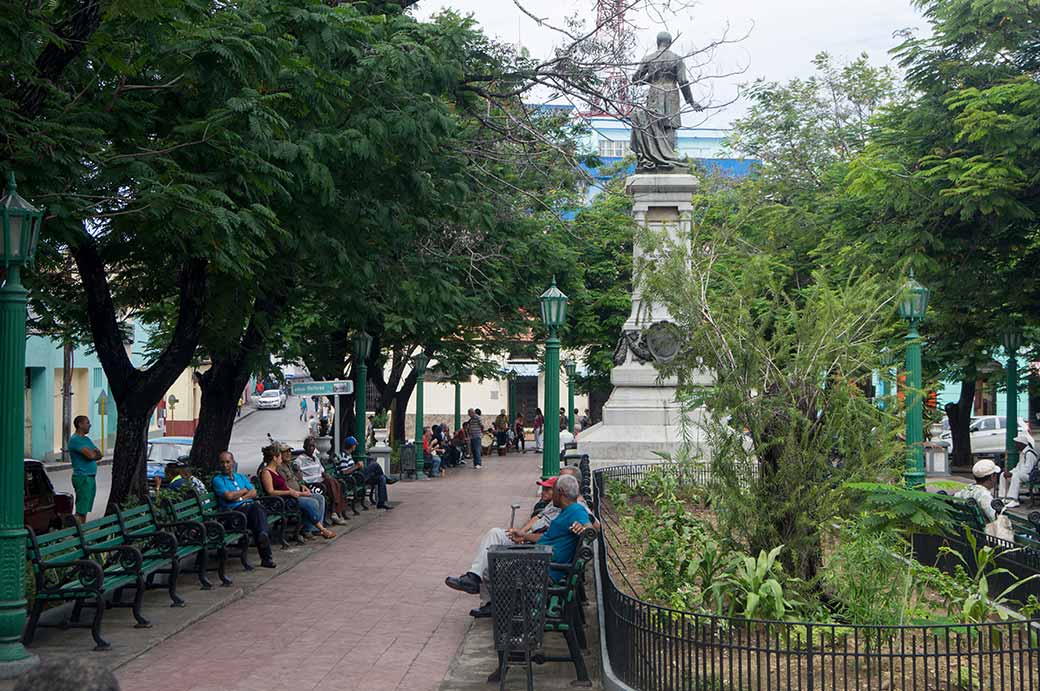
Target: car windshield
{"points": [[271, 393], [168, 452]]}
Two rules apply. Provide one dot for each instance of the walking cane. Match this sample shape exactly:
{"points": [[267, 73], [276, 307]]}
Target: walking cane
{"points": [[512, 517]]}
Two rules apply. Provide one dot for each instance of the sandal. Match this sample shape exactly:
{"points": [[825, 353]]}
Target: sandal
{"points": [[328, 534]]}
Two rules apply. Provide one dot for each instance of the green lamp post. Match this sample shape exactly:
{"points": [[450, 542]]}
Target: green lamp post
{"points": [[419, 362], [511, 395], [1012, 341], [554, 314], [362, 347], [19, 232], [458, 404], [912, 308], [570, 367]]}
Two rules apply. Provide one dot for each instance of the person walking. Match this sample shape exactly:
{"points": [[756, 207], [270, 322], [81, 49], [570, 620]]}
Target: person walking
{"points": [[84, 456], [303, 408], [475, 431], [518, 434], [538, 425]]}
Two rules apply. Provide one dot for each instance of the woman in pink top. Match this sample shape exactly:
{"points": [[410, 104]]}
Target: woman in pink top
{"points": [[275, 486]]}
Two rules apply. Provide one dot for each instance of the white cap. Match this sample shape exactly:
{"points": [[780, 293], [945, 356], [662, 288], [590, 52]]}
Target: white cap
{"points": [[984, 468], [1024, 438]]}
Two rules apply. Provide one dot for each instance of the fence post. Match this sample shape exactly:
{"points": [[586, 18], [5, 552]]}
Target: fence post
{"points": [[809, 656]]}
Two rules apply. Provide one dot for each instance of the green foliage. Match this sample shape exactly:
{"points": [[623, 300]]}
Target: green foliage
{"points": [[887, 507], [756, 589], [978, 604]]}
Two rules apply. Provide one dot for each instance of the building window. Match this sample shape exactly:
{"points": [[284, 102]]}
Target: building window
{"points": [[609, 148], [99, 377]]}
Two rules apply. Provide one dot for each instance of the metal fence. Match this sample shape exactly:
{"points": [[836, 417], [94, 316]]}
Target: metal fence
{"points": [[654, 648]]}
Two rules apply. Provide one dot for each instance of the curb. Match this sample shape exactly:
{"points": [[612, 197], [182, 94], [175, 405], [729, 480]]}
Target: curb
{"points": [[610, 681]]}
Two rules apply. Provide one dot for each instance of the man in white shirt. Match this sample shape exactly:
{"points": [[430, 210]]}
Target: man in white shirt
{"points": [[1027, 458], [986, 473]]}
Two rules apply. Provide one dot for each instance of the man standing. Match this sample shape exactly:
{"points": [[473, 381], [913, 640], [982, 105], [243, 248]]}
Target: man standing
{"points": [[84, 456], [475, 430], [502, 431], [303, 408], [236, 493]]}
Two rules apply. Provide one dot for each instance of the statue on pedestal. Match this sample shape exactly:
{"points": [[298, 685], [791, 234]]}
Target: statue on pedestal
{"points": [[654, 125]]}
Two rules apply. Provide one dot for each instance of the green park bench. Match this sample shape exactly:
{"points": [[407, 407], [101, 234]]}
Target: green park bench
{"points": [[159, 550], [222, 531], [142, 523], [66, 569], [280, 512], [353, 486]]}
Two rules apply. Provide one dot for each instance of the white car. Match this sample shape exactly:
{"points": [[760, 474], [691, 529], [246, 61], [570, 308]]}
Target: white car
{"points": [[272, 398], [988, 433]]}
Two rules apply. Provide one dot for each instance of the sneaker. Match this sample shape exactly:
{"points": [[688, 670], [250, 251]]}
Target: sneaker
{"points": [[468, 582], [385, 507], [482, 612], [268, 563], [477, 467], [335, 520], [1011, 504]]}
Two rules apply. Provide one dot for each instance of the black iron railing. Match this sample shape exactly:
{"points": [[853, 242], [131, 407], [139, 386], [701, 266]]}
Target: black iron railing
{"points": [[654, 648]]}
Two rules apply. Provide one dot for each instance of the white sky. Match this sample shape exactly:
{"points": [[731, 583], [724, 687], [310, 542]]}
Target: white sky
{"points": [[785, 34]]}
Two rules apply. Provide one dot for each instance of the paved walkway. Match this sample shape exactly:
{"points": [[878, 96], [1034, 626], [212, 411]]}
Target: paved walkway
{"points": [[371, 612]]}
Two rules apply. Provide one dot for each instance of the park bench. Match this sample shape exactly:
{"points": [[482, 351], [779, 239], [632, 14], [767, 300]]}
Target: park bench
{"points": [[281, 511], [564, 613], [141, 524], [353, 485], [158, 550], [229, 530], [66, 569]]}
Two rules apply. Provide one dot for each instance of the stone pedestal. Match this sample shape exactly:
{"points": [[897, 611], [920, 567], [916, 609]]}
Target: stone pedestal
{"points": [[642, 416]]}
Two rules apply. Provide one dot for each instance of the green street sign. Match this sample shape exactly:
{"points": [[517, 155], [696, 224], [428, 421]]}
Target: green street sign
{"points": [[102, 402], [322, 388]]}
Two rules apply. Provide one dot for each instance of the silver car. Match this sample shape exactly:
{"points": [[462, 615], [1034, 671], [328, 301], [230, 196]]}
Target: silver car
{"points": [[271, 398]]}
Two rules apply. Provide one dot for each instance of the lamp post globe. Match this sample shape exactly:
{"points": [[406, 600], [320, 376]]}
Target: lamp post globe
{"points": [[1011, 339], [362, 342], [554, 314], [912, 308], [20, 224], [419, 362]]}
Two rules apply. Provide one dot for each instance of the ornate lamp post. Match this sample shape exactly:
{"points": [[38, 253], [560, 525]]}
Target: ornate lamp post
{"points": [[570, 367], [1012, 341], [420, 361], [511, 384], [19, 231], [362, 347], [458, 404], [554, 314], [912, 308]]}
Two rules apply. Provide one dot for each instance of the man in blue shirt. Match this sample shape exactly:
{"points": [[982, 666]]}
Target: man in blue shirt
{"points": [[236, 493], [562, 535], [84, 456]]}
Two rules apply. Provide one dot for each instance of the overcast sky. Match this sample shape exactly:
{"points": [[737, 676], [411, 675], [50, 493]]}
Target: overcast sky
{"points": [[785, 34]]}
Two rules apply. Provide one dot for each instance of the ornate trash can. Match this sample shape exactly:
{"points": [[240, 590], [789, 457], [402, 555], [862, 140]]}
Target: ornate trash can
{"points": [[518, 581], [408, 458]]}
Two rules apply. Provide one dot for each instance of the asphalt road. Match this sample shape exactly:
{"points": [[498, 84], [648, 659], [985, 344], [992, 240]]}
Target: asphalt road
{"points": [[249, 436]]}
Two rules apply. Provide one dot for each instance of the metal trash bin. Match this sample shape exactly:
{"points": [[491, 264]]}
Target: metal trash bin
{"points": [[518, 582], [408, 458]]}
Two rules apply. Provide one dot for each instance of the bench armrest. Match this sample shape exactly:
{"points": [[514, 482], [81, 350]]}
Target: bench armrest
{"points": [[165, 543], [129, 557], [187, 532], [277, 505], [88, 573]]}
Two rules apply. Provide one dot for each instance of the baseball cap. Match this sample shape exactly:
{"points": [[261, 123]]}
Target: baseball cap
{"points": [[350, 441], [984, 468], [551, 482]]}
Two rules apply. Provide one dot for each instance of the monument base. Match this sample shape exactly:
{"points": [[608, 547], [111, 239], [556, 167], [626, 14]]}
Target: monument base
{"points": [[642, 419]]}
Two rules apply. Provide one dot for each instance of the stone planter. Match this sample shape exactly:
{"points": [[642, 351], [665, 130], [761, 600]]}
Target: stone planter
{"points": [[382, 435], [323, 444]]}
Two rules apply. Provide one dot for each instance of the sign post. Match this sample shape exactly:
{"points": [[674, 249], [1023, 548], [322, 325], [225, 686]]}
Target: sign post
{"points": [[336, 388], [171, 403], [102, 402]]}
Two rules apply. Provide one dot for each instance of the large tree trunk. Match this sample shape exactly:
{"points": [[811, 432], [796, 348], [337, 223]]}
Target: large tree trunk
{"points": [[400, 408], [221, 386], [137, 391], [959, 414]]}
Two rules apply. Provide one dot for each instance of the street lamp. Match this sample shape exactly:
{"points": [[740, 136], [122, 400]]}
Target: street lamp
{"points": [[511, 395], [554, 314], [362, 347], [912, 308], [570, 367], [420, 361], [19, 232], [1012, 341]]}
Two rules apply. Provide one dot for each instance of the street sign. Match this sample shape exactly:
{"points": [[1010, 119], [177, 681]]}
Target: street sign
{"points": [[322, 388], [102, 402]]}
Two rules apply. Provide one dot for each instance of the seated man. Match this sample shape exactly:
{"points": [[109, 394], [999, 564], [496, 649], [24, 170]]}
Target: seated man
{"points": [[1027, 459], [562, 534], [372, 472], [183, 477], [986, 474], [236, 493], [312, 472]]}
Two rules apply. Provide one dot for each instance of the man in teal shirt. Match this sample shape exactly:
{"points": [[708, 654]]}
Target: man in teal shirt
{"points": [[84, 457]]}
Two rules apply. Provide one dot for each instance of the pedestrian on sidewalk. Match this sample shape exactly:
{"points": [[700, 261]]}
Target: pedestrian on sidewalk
{"points": [[519, 442], [538, 425], [303, 408], [475, 430], [84, 456]]}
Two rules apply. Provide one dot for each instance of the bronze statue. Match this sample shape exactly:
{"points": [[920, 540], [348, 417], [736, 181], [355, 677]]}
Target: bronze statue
{"points": [[654, 126]]}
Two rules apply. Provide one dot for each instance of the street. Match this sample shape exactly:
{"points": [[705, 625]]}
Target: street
{"points": [[249, 436]]}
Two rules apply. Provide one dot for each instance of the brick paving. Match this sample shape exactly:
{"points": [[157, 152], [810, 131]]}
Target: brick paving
{"points": [[371, 612]]}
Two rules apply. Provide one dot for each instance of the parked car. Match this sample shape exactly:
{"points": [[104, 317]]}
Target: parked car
{"points": [[271, 398], [45, 509], [163, 450], [988, 433]]}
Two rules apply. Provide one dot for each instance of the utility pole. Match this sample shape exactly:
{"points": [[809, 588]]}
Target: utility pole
{"points": [[66, 400]]}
